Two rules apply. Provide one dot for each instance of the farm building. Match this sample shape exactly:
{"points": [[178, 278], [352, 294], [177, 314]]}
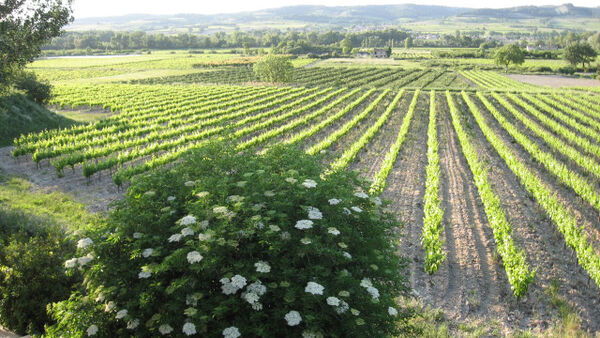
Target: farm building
{"points": [[380, 53], [363, 54]]}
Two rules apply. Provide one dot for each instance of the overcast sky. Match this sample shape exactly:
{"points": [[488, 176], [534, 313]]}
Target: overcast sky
{"points": [[93, 8]]}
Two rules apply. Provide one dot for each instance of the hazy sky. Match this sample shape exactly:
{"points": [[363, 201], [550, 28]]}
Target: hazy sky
{"points": [[92, 8]]}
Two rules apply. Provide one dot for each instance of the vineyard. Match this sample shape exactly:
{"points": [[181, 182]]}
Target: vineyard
{"points": [[497, 181]]}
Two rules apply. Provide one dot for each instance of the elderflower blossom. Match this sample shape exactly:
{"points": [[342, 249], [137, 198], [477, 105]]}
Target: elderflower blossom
{"points": [[257, 306], [171, 198], [257, 288], [110, 306], [235, 198], [189, 183], [250, 297], [231, 332], [314, 213], [189, 329], [194, 257], [84, 243], [203, 225], [188, 220], [357, 209], [71, 263], [269, 193], [304, 224], [333, 231], [333, 301], [347, 254], [309, 183], [187, 231], [231, 286], [346, 211], [137, 235], [373, 292], [202, 194], [361, 195], [311, 334], [92, 330], [147, 252], [334, 201], [85, 259], [291, 180], [203, 237], [355, 312], [144, 274], [392, 311], [165, 329], [314, 288], [121, 314], [293, 318], [132, 324], [377, 201], [343, 307], [262, 266], [175, 238], [306, 241]]}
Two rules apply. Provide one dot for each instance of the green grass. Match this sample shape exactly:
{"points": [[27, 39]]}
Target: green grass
{"points": [[82, 115], [18, 115], [19, 194]]}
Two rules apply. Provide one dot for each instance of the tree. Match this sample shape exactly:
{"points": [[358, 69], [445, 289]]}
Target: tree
{"points": [[346, 45], [594, 40], [274, 68], [509, 54], [25, 25], [579, 52], [408, 42]]}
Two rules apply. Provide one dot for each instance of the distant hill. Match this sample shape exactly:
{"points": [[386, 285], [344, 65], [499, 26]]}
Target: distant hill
{"points": [[324, 16], [533, 12]]}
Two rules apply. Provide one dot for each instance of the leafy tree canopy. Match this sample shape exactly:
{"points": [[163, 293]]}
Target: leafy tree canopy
{"points": [[509, 54], [274, 68], [579, 52], [25, 25]]}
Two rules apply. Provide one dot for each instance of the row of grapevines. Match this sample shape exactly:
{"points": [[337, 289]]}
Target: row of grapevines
{"points": [[570, 178], [352, 151], [432, 206], [513, 258], [565, 221], [336, 135], [380, 178]]}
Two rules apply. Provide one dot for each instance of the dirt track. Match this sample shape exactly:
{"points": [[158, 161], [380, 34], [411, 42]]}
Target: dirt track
{"points": [[555, 81]]}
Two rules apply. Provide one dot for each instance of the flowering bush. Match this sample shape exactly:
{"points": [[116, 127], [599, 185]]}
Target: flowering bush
{"points": [[230, 245], [32, 252]]}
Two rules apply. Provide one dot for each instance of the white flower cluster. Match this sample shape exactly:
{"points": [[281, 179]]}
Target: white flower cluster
{"points": [[132, 324], [311, 334], [366, 283], [147, 252], [84, 243], [309, 183], [304, 224], [269, 193], [231, 332], [189, 183], [334, 201], [293, 318], [121, 314], [92, 330], [253, 293], [357, 209], [361, 195], [314, 213], [291, 180], [333, 231], [231, 286], [222, 211], [137, 235], [392, 311], [175, 238], [189, 329], [165, 329], [194, 257], [262, 266], [81, 261], [235, 198], [340, 305], [187, 232], [188, 220], [144, 273], [171, 198], [110, 306], [314, 288]]}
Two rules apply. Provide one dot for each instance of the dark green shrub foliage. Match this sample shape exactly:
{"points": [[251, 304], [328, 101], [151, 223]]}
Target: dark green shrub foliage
{"points": [[226, 242], [32, 273], [35, 90]]}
